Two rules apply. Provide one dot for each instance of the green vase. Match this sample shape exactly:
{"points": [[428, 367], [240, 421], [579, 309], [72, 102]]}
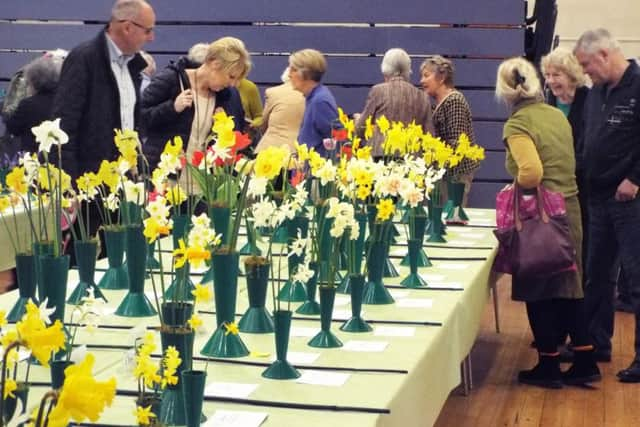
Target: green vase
{"points": [[116, 276], [280, 369], [41, 248], [251, 247], [193, 384], [293, 290], [86, 255], [180, 229], [419, 224], [176, 314], [152, 262], [325, 254], [311, 306], [57, 368], [413, 280], [325, 338], [454, 213], [221, 218], [356, 323], [26, 275], [54, 283], [136, 303], [223, 342], [375, 292], [10, 403], [172, 408], [357, 251], [436, 231], [181, 285], [257, 320]]}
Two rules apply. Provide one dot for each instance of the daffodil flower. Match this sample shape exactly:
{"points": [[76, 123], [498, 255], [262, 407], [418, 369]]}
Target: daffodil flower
{"points": [[231, 328]]}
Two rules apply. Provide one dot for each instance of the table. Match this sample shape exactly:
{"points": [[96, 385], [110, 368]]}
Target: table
{"points": [[23, 239], [405, 385]]}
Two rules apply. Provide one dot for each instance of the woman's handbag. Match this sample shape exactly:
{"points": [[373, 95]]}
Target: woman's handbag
{"points": [[533, 233]]}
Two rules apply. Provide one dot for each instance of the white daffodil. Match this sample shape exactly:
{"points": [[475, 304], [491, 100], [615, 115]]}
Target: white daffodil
{"points": [[113, 202], [48, 133], [299, 245], [303, 273], [257, 187], [45, 313], [262, 212], [159, 208], [134, 192]]}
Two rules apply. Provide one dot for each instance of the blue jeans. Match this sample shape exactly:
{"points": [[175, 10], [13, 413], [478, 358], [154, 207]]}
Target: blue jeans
{"points": [[614, 229]]}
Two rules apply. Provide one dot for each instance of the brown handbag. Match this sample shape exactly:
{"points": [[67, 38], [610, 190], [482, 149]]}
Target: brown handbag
{"points": [[537, 247]]}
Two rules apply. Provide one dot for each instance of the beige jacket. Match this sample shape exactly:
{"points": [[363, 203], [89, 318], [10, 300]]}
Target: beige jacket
{"points": [[282, 116]]}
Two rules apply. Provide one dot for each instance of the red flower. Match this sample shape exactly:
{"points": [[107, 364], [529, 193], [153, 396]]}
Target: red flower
{"points": [[197, 158], [297, 177], [153, 195], [346, 151], [242, 142], [339, 134]]}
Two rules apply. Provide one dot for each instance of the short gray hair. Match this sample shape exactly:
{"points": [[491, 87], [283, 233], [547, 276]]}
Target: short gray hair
{"points": [[396, 62], [43, 73], [442, 67], [124, 10], [592, 41], [198, 53]]}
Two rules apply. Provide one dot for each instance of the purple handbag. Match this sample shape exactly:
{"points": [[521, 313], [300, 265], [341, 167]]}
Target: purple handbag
{"points": [[536, 246]]}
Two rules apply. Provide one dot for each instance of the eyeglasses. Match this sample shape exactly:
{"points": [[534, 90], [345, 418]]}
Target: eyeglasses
{"points": [[147, 30]]}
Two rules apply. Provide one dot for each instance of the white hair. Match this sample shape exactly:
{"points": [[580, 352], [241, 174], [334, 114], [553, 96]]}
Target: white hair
{"points": [[198, 52], [285, 76], [592, 41], [396, 62]]}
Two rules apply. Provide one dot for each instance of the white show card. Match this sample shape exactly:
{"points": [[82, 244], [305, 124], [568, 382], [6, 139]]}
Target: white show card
{"points": [[472, 235], [453, 266], [300, 358], [365, 346], [326, 378], [341, 300], [344, 314], [303, 331], [223, 418], [237, 390], [415, 303], [398, 294], [394, 331], [398, 252]]}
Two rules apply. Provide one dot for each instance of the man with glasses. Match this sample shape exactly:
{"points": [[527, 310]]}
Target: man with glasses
{"points": [[99, 91], [100, 85]]}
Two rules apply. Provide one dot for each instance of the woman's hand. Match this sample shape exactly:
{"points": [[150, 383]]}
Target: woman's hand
{"points": [[183, 101]]}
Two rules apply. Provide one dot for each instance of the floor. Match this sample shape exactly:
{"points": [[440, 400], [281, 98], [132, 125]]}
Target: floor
{"points": [[498, 400]]}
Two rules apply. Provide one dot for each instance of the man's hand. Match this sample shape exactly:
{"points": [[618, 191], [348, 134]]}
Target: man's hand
{"points": [[626, 191]]}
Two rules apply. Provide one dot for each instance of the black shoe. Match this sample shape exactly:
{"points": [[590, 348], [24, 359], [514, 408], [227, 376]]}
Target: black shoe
{"points": [[631, 374], [584, 370], [566, 356], [545, 374]]}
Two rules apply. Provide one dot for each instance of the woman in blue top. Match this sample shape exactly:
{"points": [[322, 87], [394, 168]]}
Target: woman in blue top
{"points": [[306, 68]]}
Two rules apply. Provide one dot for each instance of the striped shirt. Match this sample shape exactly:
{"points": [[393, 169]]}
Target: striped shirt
{"points": [[126, 89]]}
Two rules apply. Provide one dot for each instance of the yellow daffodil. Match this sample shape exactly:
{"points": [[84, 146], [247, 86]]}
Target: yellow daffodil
{"points": [[10, 386], [195, 322], [153, 228], [127, 143], [270, 162], [3, 318], [202, 293], [363, 191], [109, 174], [87, 183], [302, 151], [144, 415], [222, 123], [180, 255], [368, 128], [342, 117], [231, 328], [174, 147], [39, 338], [385, 210], [383, 124], [16, 180], [82, 396], [5, 203], [176, 196]]}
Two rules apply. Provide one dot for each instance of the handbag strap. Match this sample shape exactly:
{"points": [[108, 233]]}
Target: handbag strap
{"points": [[516, 205]]}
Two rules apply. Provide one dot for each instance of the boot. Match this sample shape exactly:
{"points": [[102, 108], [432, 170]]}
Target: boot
{"points": [[545, 374], [584, 369]]}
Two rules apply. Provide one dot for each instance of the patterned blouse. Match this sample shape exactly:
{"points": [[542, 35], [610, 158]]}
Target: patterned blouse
{"points": [[451, 118]]}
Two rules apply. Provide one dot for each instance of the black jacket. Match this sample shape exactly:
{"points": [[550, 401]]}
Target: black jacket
{"points": [[160, 120], [88, 102], [612, 135], [30, 112], [576, 119]]}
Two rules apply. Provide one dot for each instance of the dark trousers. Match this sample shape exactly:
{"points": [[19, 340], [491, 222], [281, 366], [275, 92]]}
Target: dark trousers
{"points": [[614, 229], [550, 318]]}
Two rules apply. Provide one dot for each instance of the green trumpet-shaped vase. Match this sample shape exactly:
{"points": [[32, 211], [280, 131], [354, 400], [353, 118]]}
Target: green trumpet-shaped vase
{"points": [[325, 338], [375, 292], [356, 323], [454, 212], [311, 307], [39, 249], [86, 254], [116, 276], [413, 280], [26, 275], [172, 408], [280, 369], [193, 383], [256, 319]]}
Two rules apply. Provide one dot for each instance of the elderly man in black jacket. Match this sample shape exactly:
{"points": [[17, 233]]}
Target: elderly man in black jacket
{"points": [[99, 87]]}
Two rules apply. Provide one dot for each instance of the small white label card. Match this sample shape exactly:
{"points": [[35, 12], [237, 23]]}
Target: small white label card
{"points": [[472, 235], [398, 252], [394, 331], [365, 346], [344, 314], [237, 390], [341, 300], [303, 331], [326, 378], [223, 418], [397, 294], [300, 358], [453, 266], [415, 303], [433, 277]]}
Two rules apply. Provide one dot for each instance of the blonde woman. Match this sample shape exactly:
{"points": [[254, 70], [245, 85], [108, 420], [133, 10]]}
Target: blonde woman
{"points": [[540, 151], [181, 101]]}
